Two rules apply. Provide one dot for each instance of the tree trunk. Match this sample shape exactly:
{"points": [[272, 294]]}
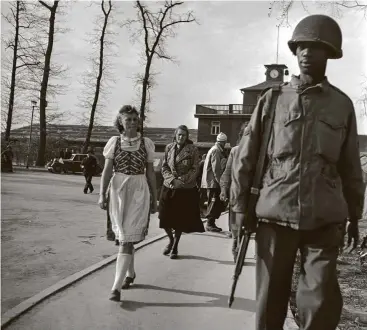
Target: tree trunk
{"points": [[44, 84], [13, 74], [98, 85], [144, 93]]}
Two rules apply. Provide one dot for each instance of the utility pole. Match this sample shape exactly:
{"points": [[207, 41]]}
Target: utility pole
{"points": [[278, 26], [34, 103]]}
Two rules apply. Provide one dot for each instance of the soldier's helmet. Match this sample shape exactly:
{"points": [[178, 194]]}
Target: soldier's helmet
{"points": [[321, 29]]}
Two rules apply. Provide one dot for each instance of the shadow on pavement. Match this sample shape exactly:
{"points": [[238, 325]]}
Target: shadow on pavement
{"points": [[188, 257], [218, 300], [217, 235]]}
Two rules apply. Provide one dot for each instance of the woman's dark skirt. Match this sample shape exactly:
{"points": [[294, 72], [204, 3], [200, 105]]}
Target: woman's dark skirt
{"points": [[179, 209]]}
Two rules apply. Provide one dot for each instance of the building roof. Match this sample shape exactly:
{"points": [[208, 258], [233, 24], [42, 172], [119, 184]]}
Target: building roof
{"points": [[77, 133], [282, 66], [261, 86]]}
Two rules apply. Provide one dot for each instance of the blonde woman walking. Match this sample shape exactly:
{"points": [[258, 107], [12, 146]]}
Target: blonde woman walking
{"points": [[128, 174]]}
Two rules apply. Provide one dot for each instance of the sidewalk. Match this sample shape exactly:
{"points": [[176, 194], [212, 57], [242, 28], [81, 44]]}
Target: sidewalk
{"points": [[188, 293]]}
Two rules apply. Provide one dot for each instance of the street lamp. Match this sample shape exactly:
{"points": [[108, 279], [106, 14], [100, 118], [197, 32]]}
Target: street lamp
{"points": [[34, 103]]}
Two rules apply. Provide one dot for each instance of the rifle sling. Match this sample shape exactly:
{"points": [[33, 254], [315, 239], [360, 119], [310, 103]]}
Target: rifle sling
{"points": [[259, 172]]}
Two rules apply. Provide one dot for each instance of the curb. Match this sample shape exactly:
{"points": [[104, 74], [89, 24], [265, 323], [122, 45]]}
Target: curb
{"points": [[15, 312]]}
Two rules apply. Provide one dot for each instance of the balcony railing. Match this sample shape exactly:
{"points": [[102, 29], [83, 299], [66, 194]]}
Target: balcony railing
{"points": [[225, 109]]}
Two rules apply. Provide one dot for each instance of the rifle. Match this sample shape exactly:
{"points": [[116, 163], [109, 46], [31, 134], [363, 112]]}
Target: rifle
{"points": [[250, 214]]}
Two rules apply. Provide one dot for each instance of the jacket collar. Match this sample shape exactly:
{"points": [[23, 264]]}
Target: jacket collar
{"points": [[297, 83], [219, 147]]}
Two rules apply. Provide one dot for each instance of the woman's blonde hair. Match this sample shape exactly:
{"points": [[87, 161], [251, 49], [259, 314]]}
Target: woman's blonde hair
{"points": [[184, 128], [126, 109]]}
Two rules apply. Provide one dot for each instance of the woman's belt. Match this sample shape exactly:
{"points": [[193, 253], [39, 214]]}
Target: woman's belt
{"points": [[130, 172]]}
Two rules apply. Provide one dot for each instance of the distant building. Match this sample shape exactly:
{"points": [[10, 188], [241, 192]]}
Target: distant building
{"points": [[73, 136], [230, 118]]}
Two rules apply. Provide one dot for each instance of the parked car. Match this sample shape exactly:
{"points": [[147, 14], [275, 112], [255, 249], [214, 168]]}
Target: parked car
{"points": [[71, 165]]}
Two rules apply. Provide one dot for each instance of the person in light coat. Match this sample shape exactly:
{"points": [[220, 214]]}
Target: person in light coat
{"points": [[213, 169]]}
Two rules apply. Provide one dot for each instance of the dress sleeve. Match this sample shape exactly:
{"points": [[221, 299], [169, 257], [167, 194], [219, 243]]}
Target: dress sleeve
{"points": [[150, 147], [109, 149]]}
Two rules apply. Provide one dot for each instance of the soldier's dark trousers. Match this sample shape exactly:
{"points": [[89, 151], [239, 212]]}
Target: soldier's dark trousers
{"points": [[318, 298], [88, 182]]}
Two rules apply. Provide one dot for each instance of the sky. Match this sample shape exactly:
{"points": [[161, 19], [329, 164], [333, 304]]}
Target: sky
{"points": [[225, 52]]}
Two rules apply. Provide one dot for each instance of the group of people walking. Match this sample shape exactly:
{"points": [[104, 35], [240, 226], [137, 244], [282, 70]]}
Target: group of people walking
{"points": [[312, 181], [128, 190]]}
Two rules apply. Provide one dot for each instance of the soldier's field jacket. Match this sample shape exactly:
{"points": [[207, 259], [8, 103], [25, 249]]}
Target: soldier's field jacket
{"points": [[225, 179], [313, 173], [182, 165], [213, 167]]}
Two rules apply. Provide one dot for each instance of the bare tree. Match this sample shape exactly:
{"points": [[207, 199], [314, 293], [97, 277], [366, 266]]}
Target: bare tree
{"points": [[155, 28], [282, 8], [44, 83], [96, 79], [19, 20]]}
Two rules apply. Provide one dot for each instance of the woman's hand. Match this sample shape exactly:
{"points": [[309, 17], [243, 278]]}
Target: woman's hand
{"points": [[102, 202], [176, 183]]}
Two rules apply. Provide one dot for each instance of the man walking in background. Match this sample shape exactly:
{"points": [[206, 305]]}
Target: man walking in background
{"points": [[89, 165], [212, 172]]}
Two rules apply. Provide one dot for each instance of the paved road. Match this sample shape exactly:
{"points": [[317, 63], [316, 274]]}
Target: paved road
{"points": [[187, 293], [49, 230]]}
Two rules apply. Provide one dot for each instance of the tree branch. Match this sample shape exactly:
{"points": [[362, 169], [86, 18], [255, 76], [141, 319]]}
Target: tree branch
{"points": [[27, 64], [45, 4]]}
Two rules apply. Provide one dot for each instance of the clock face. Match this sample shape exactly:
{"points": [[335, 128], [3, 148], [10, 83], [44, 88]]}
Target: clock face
{"points": [[274, 73]]}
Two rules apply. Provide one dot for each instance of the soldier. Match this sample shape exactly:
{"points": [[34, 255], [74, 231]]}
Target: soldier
{"points": [[312, 182]]}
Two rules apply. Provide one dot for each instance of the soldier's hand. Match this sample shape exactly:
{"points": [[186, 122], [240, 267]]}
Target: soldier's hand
{"points": [[353, 234]]}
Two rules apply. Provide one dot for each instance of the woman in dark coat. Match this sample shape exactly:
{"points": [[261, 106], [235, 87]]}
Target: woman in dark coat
{"points": [[179, 201]]}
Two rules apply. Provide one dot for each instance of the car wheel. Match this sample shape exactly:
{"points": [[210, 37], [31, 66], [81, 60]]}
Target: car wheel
{"points": [[57, 169]]}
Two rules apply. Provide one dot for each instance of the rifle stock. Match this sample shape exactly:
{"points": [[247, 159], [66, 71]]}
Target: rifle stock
{"points": [[239, 264]]}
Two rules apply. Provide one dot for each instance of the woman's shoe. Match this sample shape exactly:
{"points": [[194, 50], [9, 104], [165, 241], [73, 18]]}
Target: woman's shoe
{"points": [[127, 282], [115, 295], [167, 249], [174, 254]]}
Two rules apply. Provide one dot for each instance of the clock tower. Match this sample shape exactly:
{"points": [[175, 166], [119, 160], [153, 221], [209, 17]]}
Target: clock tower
{"points": [[276, 72]]}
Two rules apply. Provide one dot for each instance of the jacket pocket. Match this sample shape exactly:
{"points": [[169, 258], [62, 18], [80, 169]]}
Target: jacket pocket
{"points": [[287, 129], [273, 174], [329, 137]]}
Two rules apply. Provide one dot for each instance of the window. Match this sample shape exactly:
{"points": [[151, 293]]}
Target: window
{"points": [[215, 128]]}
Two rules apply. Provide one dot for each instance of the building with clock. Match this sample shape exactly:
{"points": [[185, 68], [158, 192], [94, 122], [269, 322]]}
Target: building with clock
{"points": [[231, 118]]}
